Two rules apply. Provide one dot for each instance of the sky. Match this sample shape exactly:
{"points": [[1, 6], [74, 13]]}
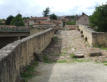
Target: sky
{"points": [[59, 7]]}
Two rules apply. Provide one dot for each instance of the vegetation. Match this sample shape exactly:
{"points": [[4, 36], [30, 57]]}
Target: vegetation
{"points": [[72, 55], [61, 61], [46, 12], [29, 71], [53, 17], [1, 22], [99, 19], [105, 63], [71, 23], [101, 47], [18, 20], [9, 20]]}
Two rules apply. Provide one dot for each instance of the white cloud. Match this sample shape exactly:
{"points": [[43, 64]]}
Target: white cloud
{"points": [[35, 7]]}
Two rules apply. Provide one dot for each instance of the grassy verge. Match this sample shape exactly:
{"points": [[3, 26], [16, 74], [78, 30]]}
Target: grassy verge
{"points": [[29, 71], [105, 63], [101, 47]]}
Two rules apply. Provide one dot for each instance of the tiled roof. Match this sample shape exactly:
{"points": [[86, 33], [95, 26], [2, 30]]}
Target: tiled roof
{"points": [[39, 18]]}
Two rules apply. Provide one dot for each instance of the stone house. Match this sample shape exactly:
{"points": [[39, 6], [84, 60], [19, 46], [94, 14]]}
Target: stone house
{"points": [[82, 20], [58, 23], [34, 20]]}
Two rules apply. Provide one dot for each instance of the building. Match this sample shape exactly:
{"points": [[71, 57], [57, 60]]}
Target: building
{"points": [[82, 20], [35, 20]]}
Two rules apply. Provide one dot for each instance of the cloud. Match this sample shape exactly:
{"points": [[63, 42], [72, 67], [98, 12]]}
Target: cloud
{"points": [[35, 7]]}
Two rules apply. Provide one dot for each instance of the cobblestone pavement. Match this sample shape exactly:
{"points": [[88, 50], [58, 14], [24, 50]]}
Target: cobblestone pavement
{"points": [[69, 42]]}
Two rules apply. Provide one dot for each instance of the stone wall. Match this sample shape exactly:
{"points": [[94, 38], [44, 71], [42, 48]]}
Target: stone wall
{"points": [[71, 27], [93, 38], [15, 56]]}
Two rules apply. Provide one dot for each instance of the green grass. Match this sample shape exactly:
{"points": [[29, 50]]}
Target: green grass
{"points": [[80, 60], [72, 55], [29, 71], [101, 47], [75, 60], [61, 61], [105, 63], [55, 38], [47, 60]]}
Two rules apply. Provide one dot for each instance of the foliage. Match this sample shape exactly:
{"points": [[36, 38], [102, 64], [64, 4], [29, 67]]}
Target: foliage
{"points": [[99, 19], [9, 20], [53, 17], [71, 23], [18, 20], [46, 12], [24, 18], [1, 22], [61, 61], [29, 71]]}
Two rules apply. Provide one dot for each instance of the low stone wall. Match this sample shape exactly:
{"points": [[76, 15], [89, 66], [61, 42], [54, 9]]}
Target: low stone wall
{"points": [[71, 27], [100, 39], [15, 56], [93, 38]]}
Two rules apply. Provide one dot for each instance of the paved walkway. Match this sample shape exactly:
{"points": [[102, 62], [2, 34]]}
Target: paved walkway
{"points": [[70, 42], [79, 72]]}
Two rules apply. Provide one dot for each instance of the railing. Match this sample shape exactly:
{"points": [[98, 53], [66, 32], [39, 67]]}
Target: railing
{"points": [[15, 56]]}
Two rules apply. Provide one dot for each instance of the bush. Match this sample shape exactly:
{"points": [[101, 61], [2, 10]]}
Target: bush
{"points": [[99, 19]]}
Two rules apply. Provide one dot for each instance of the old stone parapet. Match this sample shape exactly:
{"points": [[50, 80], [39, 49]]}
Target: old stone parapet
{"points": [[94, 38], [15, 56]]}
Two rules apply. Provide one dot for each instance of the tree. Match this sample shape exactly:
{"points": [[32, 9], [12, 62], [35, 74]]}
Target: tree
{"points": [[18, 20], [99, 18], [1, 22], [53, 17], [9, 19], [46, 12]]}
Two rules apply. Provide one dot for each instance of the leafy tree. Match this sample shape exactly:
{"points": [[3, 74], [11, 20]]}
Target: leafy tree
{"points": [[99, 18], [18, 20], [24, 18], [9, 19], [1, 22], [46, 12], [53, 17]]}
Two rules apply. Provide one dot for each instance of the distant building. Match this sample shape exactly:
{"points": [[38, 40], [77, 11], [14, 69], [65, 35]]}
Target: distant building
{"points": [[35, 20], [58, 23], [83, 19]]}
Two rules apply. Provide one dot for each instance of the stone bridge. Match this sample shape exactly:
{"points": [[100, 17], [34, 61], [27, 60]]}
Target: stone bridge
{"points": [[11, 34], [92, 37], [15, 56]]}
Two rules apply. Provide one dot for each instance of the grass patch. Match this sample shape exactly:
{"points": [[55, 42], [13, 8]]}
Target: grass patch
{"points": [[55, 38], [101, 47], [47, 60], [81, 60], [61, 61], [72, 55], [29, 71], [105, 63]]}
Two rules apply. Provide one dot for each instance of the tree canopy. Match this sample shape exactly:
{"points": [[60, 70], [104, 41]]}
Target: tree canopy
{"points": [[18, 20], [46, 12], [99, 19], [53, 17], [9, 20]]}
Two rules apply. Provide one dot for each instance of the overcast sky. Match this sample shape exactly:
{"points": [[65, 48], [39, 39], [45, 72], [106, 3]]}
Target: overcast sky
{"points": [[36, 7]]}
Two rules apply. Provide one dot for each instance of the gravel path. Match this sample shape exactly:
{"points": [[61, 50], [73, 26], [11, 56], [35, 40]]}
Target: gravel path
{"points": [[79, 72]]}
